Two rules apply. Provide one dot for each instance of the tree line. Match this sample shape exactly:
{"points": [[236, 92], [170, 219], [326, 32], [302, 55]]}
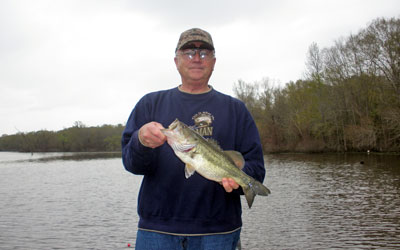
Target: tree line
{"points": [[349, 99], [78, 138]]}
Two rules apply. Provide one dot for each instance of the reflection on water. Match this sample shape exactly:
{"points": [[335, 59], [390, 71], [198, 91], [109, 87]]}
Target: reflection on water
{"points": [[47, 157], [326, 201]]}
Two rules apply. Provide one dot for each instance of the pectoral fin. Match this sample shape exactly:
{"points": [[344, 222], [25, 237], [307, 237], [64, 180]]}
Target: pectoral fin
{"points": [[189, 171]]}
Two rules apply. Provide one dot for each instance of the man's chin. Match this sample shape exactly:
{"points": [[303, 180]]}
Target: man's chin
{"points": [[196, 76]]}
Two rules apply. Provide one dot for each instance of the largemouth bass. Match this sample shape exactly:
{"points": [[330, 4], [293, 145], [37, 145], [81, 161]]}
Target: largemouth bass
{"points": [[209, 160]]}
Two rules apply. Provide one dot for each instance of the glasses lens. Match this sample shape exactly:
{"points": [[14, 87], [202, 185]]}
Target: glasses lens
{"points": [[189, 53], [203, 53]]}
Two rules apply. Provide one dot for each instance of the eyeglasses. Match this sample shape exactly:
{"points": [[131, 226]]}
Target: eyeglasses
{"points": [[204, 54]]}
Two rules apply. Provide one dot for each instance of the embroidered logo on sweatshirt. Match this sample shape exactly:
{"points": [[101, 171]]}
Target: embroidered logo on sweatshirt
{"points": [[203, 122]]}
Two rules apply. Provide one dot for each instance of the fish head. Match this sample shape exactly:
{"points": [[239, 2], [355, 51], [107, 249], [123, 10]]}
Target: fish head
{"points": [[179, 136]]}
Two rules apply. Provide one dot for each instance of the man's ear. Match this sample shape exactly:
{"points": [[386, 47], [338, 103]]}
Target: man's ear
{"points": [[215, 60]]}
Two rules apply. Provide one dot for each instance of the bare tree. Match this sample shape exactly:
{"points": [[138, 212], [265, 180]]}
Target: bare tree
{"points": [[380, 47], [314, 63]]}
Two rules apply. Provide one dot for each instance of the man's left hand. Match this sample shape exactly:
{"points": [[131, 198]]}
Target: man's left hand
{"points": [[229, 184]]}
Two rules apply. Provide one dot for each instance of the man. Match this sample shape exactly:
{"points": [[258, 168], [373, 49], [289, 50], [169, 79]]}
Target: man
{"points": [[193, 213]]}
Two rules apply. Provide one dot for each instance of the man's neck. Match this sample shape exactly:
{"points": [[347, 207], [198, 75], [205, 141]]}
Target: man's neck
{"points": [[195, 89]]}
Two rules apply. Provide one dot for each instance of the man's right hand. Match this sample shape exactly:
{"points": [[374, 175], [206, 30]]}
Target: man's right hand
{"points": [[150, 135]]}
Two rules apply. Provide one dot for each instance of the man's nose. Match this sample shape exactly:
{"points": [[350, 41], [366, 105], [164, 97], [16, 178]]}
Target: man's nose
{"points": [[197, 56]]}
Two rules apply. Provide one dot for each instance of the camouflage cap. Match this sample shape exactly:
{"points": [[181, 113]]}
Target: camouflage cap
{"points": [[194, 35]]}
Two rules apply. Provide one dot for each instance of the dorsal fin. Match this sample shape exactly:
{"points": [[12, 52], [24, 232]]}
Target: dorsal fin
{"points": [[236, 157], [214, 143]]}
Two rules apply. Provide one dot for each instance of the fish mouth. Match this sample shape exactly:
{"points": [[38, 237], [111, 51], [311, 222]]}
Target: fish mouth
{"points": [[173, 125]]}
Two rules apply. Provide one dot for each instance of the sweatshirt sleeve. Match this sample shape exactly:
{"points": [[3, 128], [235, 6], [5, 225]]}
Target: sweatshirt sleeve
{"points": [[250, 147], [136, 158]]}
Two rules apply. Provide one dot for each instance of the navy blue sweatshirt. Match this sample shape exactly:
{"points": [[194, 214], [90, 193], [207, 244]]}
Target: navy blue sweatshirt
{"points": [[170, 203]]}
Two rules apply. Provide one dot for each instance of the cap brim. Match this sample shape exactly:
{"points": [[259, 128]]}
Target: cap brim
{"points": [[188, 45]]}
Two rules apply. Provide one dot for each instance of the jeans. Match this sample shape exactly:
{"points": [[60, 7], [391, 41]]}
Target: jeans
{"points": [[146, 240]]}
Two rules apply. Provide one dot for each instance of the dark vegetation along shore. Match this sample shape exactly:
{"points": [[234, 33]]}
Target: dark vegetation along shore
{"points": [[349, 100], [79, 138]]}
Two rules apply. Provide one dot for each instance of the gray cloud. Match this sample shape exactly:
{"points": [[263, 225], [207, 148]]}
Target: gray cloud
{"points": [[91, 60]]}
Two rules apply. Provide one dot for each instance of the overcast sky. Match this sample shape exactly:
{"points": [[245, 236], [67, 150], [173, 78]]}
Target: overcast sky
{"points": [[63, 61]]}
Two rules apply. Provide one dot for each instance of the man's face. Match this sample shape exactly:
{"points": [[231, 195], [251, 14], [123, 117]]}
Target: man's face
{"points": [[195, 67]]}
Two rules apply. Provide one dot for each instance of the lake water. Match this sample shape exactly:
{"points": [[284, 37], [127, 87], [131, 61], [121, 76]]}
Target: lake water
{"points": [[322, 201]]}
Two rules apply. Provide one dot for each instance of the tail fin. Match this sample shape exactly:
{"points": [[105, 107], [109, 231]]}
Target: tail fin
{"points": [[253, 189]]}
